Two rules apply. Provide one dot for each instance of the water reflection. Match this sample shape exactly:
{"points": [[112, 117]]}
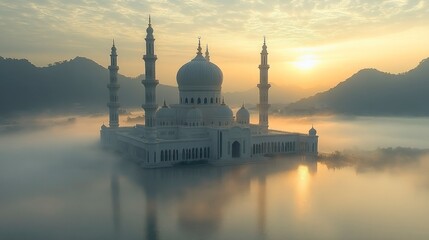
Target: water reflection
{"points": [[116, 204], [262, 207], [201, 194], [303, 181]]}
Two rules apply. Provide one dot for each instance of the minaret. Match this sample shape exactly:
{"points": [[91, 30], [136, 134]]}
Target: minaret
{"points": [[150, 84], [207, 56], [263, 88], [113, 87]]}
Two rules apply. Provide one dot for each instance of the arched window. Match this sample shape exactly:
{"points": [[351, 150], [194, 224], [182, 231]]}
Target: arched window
{"points": [[211, 100], [216, 100], [205, 100], [162, 155], [186, 100], [199, 101], [192, 100]]}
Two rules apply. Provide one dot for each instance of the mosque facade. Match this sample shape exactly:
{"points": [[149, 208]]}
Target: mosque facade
{"points": [[201, 127]]}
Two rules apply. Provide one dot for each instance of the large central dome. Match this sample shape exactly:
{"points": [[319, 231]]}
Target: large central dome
{"points": [[199, 74]]}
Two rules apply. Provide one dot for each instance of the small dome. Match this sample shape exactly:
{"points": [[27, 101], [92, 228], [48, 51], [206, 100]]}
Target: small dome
{"points": [[199, 74], [165, 113], [243, 115], [194, 115], [312, 131], [223, 112]]}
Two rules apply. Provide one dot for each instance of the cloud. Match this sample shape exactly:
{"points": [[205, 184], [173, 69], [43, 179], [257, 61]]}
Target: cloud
{"points": [[321, 20], [52, 30]]}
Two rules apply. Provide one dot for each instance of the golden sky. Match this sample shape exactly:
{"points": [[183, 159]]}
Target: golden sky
{"points": [[311, 44]]}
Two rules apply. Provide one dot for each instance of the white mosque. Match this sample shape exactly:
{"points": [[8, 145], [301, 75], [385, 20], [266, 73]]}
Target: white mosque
{"points": [[201, 127]]}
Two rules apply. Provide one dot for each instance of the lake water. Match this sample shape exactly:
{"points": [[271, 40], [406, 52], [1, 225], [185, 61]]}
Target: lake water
{"points": [[55, 183]]}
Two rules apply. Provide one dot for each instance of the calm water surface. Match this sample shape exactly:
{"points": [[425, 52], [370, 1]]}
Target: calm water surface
{"points": [[56, 183]]}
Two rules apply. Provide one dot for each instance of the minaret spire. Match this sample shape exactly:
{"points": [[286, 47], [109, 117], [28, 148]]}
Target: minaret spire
{"points": [[207, 53], [113, 87], [199, 47], [263, 88], [150, 84]]}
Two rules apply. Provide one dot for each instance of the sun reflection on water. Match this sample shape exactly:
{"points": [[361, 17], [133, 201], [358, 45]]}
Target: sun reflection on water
{"points": [[302, 189]]}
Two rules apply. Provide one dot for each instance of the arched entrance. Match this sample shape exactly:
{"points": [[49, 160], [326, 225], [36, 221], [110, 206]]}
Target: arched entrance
{"points": [[236, 149]]}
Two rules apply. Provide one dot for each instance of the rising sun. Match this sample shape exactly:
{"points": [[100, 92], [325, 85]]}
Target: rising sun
{"points": [[305, 62]]}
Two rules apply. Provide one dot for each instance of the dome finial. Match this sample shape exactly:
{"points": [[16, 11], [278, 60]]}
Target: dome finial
{"points": [[150, 22], [264, 46], [312, 131], [165, 104], [113, 42], [199, 47], [207, 53]]}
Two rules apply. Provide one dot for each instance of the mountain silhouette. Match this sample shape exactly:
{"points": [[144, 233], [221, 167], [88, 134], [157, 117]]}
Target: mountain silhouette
{"points": [[371, 92], [78, 85]]}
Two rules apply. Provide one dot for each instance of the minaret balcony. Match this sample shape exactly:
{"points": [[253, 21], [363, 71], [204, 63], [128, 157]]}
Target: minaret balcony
{"points": [[264, 85], [150, 82], [150, 57], [115, 68]]}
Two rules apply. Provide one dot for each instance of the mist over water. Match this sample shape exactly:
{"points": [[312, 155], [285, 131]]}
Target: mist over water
{"points": [[337, 133], [56, 183]]}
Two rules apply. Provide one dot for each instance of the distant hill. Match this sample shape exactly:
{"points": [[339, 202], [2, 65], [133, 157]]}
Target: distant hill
{"points": [[79, 85], [371, 92], [75, 85]]}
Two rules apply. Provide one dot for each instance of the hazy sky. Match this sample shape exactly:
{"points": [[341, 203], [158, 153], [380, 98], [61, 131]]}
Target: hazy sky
{"points": [[312, 44]]}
